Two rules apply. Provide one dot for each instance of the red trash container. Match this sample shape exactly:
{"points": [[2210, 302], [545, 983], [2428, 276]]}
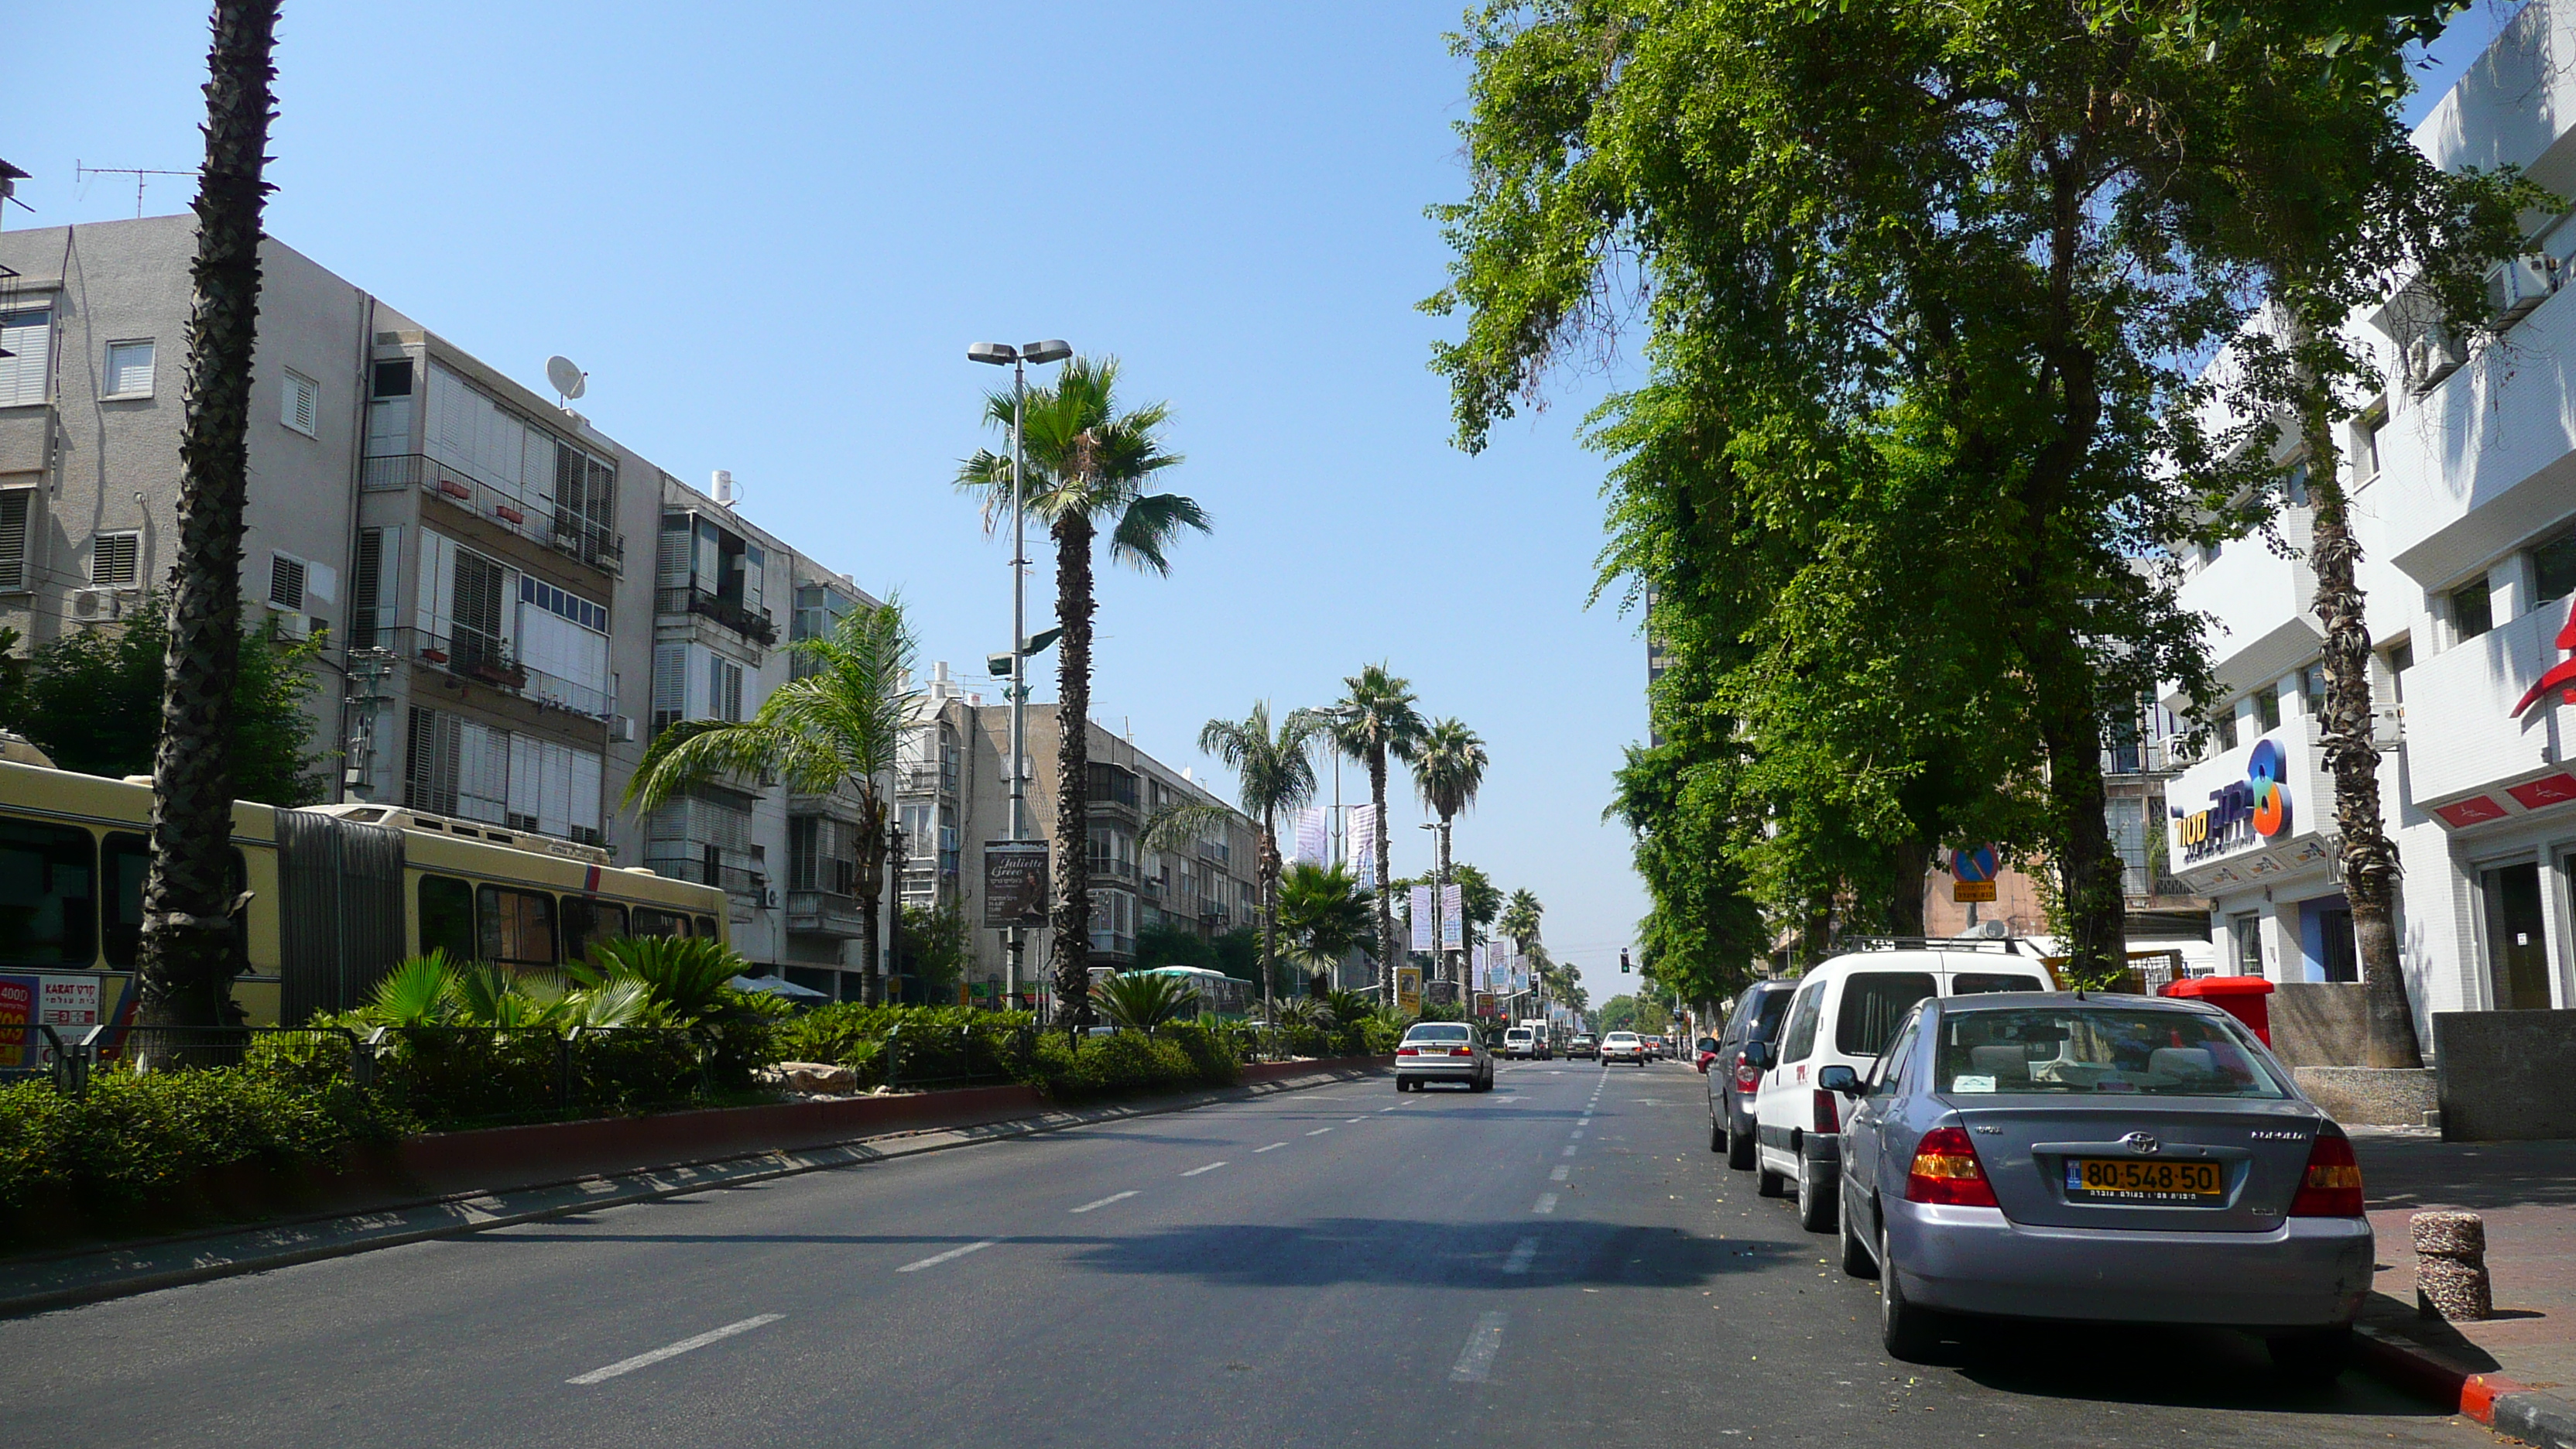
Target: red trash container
{"points": [[2239, 996]]}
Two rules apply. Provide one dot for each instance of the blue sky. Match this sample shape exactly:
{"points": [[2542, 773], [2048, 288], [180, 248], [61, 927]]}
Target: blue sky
{"points": [[770, 231]]}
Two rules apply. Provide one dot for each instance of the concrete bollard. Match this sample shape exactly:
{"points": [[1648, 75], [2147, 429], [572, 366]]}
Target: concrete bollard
{"points": [[2451, 1266]]}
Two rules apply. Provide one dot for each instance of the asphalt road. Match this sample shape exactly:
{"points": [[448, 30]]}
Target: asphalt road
{"points": [[1561, 1260]]}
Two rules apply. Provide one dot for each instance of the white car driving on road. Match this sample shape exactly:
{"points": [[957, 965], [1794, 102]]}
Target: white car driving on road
{"points": [[1623, 1046]]}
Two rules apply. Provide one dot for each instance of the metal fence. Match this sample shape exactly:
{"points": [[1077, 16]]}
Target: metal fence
{"points": [[961, 1057]]}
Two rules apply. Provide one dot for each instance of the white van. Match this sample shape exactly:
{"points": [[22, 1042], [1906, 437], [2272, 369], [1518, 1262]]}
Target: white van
{"points": [[1844, 1012], [1520, 1043]]}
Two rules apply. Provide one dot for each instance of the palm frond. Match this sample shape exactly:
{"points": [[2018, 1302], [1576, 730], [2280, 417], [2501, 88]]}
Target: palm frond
{"points": [[1148, 526]]}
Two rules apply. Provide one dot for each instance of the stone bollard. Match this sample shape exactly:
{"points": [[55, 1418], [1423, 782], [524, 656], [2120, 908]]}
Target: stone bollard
{"points": [[2451, 1266]]}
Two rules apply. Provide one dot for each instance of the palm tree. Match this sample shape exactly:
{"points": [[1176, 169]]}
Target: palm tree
{"points": [[1088, 464], [1322, 913], [832, 730], [1448, 766], [1519, 925], [187, 948], [1375, 719], [1272, 773]]}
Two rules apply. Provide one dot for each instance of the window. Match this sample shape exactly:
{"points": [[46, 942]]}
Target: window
{"points": [[518, 927], [365, 608], [113, 558], [587, 921], [2401, 657], [2227, 729], [1891, 1063], [670, 686], [724, 688], [654, 921], [300, 403], [2472, 610], [124, 859], [2365, 443], [446, 917], [27, 373], [16, 507], [48, 895], [393, 379], [1800, 1038], [2312, 688], [129, 370], [286, 582], [707, 928], [2294, 485], [1978, 983], [2553, 569], [1874, 1004], [2245, 933], [2097, 1050], [2267, 707]]}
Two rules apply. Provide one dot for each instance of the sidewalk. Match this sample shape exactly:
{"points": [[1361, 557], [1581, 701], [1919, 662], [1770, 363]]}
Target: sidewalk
{"points": [[2517, 1370]]}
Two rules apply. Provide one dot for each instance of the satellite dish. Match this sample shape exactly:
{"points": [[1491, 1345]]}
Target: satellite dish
{"points": [[566, 377]]}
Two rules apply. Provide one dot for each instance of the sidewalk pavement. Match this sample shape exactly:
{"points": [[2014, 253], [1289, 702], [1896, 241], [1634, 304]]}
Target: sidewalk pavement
{"points": [[2517, 1370], [36, 1282]]}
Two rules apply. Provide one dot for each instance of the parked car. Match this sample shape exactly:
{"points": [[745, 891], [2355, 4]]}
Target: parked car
{"points": [[1843, 1015], [2098, 1158], [1703, 1052], [1657, 1049], [1520, 1042], [1583, 1046], [1754, 1019], [1623, 1046], [1442, 1051]]}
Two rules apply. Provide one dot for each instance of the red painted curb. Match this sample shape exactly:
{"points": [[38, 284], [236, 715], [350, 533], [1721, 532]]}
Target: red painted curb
{"points": [[2422, 1371]]}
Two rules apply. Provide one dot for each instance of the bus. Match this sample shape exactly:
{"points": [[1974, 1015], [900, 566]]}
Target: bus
{"points": [[333, 896], [1218, 997]]}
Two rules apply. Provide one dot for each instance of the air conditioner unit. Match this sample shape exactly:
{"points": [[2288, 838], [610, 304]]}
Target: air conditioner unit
{"points": [[2520, 285], [2431, 356], [291, 625], [96, 605], [621, 728]]}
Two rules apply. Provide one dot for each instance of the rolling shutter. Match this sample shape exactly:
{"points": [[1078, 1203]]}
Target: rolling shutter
{"points": [[16, 506]]}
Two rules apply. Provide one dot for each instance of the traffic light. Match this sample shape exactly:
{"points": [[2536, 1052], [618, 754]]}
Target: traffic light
{"points": [[1623, 961]]}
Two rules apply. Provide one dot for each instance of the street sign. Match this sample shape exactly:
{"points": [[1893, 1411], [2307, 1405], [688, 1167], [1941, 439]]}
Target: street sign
{"points": [[1972, 890], [1015, 883], [1974, 863]]}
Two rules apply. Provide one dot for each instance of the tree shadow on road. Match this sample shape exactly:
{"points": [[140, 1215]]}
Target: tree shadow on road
{"points": [[1360, 1250], [2172, 1367]]}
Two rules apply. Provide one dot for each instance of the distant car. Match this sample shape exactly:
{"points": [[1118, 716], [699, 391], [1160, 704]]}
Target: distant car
{"points": [[1623, 1046], [1520, 1042], [1753, 1021], [2119, 1158], [1442, 1051], [1658, 1049], [1703, 1052], [1583, 1046]]}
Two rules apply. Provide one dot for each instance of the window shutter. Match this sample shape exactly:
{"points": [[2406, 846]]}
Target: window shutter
{"points": [[364, 588], [14, 508], [286, 582], [27, 373], [112, 558], [301, 403], [670, 685], [129, 369]]}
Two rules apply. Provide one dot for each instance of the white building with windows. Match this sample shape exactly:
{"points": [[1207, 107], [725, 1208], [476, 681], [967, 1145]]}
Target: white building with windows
{"points": [[2463, 481]]}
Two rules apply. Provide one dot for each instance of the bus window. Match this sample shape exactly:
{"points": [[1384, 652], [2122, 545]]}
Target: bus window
{"points": [[586, 921], [48, 898], [124, 859], [518, 926], [650, 921], [707, 927], [447, 917]]}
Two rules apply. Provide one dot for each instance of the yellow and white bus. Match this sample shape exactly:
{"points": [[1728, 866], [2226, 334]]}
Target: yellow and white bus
{"points": [[337, 895]]}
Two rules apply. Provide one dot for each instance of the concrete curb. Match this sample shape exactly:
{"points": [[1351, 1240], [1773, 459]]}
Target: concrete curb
{"points": [[2500, 1403], [71, 1279]]}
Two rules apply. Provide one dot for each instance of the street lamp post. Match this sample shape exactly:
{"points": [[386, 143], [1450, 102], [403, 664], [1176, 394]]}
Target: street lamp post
{"points": [[1001, 354]]}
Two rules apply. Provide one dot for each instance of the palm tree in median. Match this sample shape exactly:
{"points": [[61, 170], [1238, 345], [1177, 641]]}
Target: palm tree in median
{"points": [[1273, 773], [1323, 914], [1374, 720], [1088, 465], [187, 948], [1518, 924], [832, 730], [1448, 766]]}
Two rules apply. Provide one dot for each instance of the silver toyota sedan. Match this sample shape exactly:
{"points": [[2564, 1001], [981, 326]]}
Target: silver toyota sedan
{"points": [[2102, 1158]]}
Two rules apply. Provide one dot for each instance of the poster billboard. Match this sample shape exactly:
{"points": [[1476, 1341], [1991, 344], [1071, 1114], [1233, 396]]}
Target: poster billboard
{"points": [[1408, 988], [18, 1039], [1015, 883]]}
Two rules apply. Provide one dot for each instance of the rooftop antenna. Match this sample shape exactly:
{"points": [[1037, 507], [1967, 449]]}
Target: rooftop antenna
{"points": [[83, 173], [569, 381]]}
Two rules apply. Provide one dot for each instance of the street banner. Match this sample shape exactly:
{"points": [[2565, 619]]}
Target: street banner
{"points": [[1314, 839], [1015, 883], [1361, 840], [1408, 988], [1421, 903], [1453, 907]]}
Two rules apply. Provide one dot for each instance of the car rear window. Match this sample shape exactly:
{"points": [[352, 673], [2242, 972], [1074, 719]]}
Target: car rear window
{"points": [[1766, 1009], [2096, 1050], [1874, 1003], [1442, 1031], [1978, 983]]}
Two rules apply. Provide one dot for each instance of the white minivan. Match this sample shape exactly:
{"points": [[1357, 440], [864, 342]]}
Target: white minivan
{"points": [[1520, 1043], [1843, 1014]]}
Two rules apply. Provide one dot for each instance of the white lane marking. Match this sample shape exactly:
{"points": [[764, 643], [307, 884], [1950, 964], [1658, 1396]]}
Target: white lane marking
{"points": [[935, 1259], [674, 1350], [1195, 1171], [1349, 1120], [1569, 1152], [1273, 1147], [1522, 1252], [1476, 1360], [1546, 1203], [1106, 1201], [1559, 1173], [1576, 1134], [1386, 1109], [1320, 1131]]}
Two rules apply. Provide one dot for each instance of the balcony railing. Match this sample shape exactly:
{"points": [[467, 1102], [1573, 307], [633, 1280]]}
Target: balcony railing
{"points": [[942, 778], [825, 913], [1107, 867], [1111, 944], [560, 529], [757, 627], [1216, 850], [735, 881], [472, 654]]}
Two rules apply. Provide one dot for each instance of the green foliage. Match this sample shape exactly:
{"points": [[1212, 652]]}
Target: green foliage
{"points": [[1165, 944], [931, 947], [687, 977], [1323, 916], [1140, 1000], [1238, 953], [1619, 1013], [92, 699]]}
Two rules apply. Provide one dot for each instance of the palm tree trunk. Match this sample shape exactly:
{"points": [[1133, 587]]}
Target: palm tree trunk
{"points": [[1073, 607], [188, 958], [1269, 859], [2369, 858], [873, 978], [1440, 905], [1385, 883]]}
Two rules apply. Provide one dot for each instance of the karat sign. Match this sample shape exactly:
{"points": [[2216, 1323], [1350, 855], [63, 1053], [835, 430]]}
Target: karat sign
{"points": [[1015, 883], [2254, 808]]}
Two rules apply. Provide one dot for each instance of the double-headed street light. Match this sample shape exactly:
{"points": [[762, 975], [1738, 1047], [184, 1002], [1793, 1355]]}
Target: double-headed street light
{"points": [[1018, 359]]}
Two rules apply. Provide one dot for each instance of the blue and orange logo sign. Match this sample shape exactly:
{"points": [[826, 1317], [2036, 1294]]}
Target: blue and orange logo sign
{"points": [[2256, 807]]}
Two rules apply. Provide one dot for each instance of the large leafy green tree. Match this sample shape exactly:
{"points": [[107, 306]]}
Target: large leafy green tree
{"points": [[1448, 769], [1376, 720], [187, 958], [835, 729], [1274, 771], [1089, 466]]}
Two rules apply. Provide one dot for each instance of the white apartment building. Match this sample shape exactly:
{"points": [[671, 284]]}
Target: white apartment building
{"points": [[2464, 501]]}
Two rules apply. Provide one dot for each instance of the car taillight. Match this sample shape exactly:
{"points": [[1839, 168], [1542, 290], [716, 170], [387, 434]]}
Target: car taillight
{"points": [[1405, 1051], [1828, 1118], [1462, 1051], [2332, 1186], [1945, 1170], [1746, 1078]]}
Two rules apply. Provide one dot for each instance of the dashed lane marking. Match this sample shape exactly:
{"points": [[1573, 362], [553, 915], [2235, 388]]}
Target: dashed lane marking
{"points": [[674, 1350], [1546, 1203], [1106, 1201], [1320, 1131], [1476, 1360], [935, 1259], [1559, 1173], [1195, 1171], [1522, 1252], [1273, 1147]]}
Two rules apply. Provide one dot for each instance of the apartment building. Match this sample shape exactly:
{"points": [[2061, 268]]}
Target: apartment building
{"points": [[955, 795], [494, 577], [2464, 501]]}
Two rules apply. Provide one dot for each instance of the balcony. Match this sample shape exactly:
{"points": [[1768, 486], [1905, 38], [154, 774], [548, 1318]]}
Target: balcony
{"points": [[537, 520], [921, 779], [473, 655], [2259, 604], [2463, 738], [757, 627], [1107, 868], [1216, 850], [826, 913], [747, 885]]}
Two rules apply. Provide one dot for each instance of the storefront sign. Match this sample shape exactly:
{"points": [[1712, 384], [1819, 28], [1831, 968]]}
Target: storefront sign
{"points": [[2254, 809], [2561, 676], [2475, 810], [1015, 883], [18, 1037], [2546, 791]]}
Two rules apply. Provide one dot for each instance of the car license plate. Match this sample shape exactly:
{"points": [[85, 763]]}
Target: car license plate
{"points": [[2142, 1180]]}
